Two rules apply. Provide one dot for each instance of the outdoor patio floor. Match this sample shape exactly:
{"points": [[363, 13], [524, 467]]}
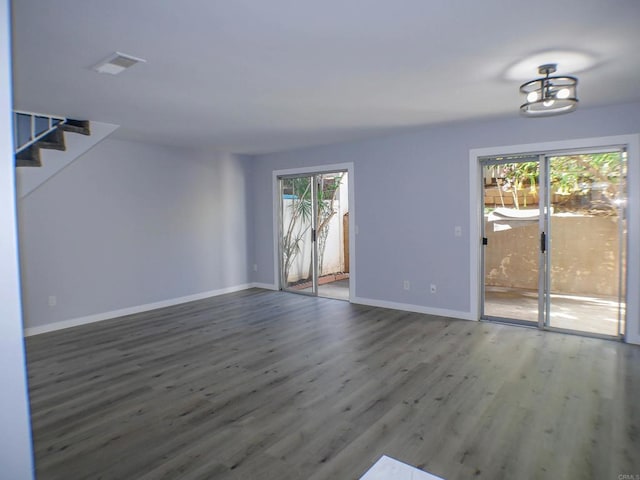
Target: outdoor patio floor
{"points": [[590, 314], [338, 290]]}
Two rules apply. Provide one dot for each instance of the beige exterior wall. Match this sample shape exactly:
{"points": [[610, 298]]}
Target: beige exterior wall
{"points": [[584, 255]]}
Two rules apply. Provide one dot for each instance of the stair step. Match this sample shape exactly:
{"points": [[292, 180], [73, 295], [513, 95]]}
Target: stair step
{"points": [[29, 157], [53, 141], [76, 126]]}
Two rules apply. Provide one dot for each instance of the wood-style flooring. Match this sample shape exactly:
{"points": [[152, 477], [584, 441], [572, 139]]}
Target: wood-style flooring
{"points": [[268, 385]]}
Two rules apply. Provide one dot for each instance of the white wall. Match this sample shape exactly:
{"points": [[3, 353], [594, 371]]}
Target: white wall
{"points": [[418, 186], [15, 437], [333, 256], [131, 224]]}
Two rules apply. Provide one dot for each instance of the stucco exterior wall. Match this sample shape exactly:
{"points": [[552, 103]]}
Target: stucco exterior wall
{"points": [[585, 254]]}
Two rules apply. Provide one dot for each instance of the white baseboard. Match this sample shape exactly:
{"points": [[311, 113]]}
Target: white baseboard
{"points": [[98, 317], [413, 308], [74, 322]]}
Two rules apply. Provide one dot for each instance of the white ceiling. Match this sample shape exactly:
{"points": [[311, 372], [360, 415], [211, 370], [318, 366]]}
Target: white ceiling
{"points": [[254, 76]]}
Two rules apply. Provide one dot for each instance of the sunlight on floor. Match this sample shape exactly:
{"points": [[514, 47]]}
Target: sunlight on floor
{"points": [[571, 312]]}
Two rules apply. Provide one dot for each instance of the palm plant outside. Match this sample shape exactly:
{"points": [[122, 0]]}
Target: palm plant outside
{"points": [[299, 225]]}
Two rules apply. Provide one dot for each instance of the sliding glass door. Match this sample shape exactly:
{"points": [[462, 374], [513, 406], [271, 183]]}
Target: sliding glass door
{"points": [[314, 234], [587, 232], [554, 232], [512, 256], [298, 258]]}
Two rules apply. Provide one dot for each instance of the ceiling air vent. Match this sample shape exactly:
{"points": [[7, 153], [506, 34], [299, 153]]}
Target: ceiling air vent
{"points": [[116, 63]]}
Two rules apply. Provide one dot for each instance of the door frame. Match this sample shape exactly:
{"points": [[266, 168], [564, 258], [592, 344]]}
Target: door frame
{"points": [[632, 145], [542, 226], [320, 169], [282, 281], [544, 243]]}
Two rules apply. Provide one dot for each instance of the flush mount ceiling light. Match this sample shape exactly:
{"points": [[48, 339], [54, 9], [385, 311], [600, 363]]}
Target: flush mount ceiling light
{"points": [[116, 63], [549, 95]]}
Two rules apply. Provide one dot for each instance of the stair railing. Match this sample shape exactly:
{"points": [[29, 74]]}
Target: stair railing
{"points": [[36, 131]]}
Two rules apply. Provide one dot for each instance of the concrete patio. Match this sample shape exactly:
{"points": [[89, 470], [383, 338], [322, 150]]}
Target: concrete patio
{"points": [[590, 314]]}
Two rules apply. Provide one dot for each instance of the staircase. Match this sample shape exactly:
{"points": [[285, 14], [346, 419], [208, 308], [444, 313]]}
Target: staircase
{"points": [[36, 131], [42, 141]]}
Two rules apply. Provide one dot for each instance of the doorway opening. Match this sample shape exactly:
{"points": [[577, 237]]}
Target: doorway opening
{"points": [[314, 246], [554, 234]]}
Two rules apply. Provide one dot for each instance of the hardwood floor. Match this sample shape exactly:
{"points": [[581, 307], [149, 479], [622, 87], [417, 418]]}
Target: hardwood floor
{"points": [[269, 385]]}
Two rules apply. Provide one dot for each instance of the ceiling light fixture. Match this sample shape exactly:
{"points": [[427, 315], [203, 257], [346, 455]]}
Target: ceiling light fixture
{"points": [[116, 63], [549, 95]]}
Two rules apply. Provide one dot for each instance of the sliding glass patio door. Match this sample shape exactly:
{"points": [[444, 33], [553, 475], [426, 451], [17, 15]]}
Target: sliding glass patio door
{"points": [[298, 242], [554, 235], [511, 238], [587, 248], [314, 234]]}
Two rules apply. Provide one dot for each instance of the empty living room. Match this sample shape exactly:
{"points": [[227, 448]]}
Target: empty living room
{"points": [[303, 240]]}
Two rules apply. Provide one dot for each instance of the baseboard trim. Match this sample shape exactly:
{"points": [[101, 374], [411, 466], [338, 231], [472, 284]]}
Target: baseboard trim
{"points": [[441, 312], [74, 322], [98, 317]]}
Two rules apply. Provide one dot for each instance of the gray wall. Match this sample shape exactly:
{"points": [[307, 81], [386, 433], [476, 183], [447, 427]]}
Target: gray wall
{"points": [[411, 190], [15, 439], [129, 224]]}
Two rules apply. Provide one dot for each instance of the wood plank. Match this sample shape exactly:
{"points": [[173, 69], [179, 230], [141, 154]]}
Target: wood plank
{"points": [[271, 385]]}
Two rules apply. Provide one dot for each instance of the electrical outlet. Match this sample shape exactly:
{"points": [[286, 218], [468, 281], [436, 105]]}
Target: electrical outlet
{"points": [[255, 267], [457, 231], [53, 300], [407, 285], [433, 288]]}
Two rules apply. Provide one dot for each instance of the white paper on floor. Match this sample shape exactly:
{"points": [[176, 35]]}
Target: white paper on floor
{"points": [[387, 468]]}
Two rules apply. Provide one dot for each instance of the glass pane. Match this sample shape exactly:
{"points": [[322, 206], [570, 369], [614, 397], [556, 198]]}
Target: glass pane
{"points": [[511, 256], [23, 128], [296, 222], [333, 236], [42, 125], [586, 241]]}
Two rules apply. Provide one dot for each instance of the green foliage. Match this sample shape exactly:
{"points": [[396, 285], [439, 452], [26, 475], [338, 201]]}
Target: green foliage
{"points": [[572, 176], [577, 173]]}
